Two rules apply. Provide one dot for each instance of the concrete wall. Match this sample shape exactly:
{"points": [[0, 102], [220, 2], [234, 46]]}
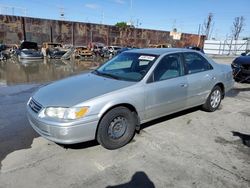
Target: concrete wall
{"points": [[13, 29]]}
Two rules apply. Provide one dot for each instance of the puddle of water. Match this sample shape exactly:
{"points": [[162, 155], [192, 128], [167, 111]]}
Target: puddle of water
{"points": [[15, 89], [16, 71]]}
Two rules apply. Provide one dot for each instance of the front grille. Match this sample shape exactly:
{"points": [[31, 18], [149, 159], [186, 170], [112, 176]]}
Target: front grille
{"points": [[246, 66], [35, 106]]}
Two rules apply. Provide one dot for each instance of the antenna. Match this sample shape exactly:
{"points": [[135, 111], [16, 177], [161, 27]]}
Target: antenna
{"points": [[174, 24], [131, 7], [102, 17], [62, 14], [12, 10], [138, 23]]}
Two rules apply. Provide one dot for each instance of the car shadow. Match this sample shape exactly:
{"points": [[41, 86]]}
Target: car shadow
{"points": [[82, 145], [235, 91], [14, 138], [15, 130], [245, 138], [139, 179], [169, 117]]}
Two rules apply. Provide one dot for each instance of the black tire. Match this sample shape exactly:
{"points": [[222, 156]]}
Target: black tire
{"points": [[117, 128], [211, 105]]}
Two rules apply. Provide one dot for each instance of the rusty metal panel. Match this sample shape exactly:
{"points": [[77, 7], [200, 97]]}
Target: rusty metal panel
{"points": [[66, 32]]}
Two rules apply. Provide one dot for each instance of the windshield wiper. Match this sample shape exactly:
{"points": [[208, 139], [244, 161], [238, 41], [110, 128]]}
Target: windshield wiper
{"points": [[106, 74]]}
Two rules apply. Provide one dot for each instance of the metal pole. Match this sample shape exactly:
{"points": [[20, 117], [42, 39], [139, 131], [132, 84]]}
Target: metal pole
{"points": [[73, 34], [24, 31], [102, 17], [107, 35], [91, 36], [131, 4], [199, 39], [51, 34], [199, 29]]}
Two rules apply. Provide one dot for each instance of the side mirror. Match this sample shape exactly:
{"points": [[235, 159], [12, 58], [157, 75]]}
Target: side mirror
{"points": [[243, 54]]}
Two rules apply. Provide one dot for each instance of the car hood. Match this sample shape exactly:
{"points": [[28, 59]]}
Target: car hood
{"points": [[30, 53], [76, 89], [242, 60]]}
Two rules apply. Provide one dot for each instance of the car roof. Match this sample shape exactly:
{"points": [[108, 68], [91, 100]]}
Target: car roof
{"points": [[160, 51]]}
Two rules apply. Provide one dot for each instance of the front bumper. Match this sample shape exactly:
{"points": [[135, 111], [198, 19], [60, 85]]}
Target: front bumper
{"points": [[61, 133], [241, 75]]}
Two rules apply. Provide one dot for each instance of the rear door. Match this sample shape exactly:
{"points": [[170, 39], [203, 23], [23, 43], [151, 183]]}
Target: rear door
{"points": [[166, 89], [200, 78]]}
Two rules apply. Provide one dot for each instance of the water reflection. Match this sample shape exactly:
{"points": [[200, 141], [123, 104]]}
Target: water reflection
{"points": [[16, 71]]}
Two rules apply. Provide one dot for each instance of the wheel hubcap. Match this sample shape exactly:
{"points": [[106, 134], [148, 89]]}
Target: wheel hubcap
{"points": [[117, 127], [215, 98]]}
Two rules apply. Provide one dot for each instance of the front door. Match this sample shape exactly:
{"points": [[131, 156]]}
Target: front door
{"points": [[166, 90]]}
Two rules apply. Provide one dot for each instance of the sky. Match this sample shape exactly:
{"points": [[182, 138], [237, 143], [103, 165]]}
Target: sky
{"points": [[185, 15]]}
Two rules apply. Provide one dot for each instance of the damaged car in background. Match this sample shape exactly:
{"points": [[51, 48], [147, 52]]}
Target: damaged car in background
{"points": [[241, 68], [53, 50], [29, 50], [136, 86]]}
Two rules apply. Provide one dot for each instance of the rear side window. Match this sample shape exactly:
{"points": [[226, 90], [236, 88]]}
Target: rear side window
{"points": [[196, 63]]}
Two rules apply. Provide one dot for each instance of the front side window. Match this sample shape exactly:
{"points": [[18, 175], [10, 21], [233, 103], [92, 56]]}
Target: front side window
{"points": [[169, 67], [127, 66], [196, 63]]}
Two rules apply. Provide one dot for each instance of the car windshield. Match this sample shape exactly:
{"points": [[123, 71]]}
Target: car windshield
{"points": [[127, 66]]}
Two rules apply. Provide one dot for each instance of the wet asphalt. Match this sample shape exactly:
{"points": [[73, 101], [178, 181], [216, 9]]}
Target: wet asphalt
{"points": [[15, 131], [18, 80]]}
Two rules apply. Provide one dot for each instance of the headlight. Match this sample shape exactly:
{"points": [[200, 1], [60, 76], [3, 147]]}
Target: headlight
{"points": [[66, 113], [235, 65]]}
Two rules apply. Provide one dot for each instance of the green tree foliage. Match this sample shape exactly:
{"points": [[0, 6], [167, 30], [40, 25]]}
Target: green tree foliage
{"points": [[121, 24]]}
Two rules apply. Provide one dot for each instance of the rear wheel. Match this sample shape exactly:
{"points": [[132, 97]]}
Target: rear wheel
{"points": [[213, 100], [116, 128]]}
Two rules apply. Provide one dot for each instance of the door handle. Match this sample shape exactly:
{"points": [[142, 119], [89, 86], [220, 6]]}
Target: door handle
{"points": [[183, 85]]}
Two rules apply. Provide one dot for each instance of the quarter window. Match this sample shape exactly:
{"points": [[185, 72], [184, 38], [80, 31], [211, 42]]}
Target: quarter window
{"points": [[196, 63], [168, 67]]}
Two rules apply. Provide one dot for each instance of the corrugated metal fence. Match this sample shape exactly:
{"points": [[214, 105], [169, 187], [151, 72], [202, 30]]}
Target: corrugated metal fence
{"points": [[226, 47]]}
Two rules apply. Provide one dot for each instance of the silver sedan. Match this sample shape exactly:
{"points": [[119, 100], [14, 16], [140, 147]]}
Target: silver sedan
{"points": [[135, 87]]}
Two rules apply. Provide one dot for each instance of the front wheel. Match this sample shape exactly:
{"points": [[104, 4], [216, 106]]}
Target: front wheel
{"points": [[116, 128], [214, 99]]}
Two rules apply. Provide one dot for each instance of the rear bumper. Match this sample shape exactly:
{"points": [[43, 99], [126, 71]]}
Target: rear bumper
{"points": [[70, 134]]}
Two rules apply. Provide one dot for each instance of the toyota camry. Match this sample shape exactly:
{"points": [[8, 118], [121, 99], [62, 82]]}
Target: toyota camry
{"points": [[110, 103]]}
